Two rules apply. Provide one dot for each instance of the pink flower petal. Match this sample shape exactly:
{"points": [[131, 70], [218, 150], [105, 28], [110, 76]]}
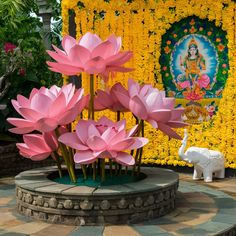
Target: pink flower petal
{"points": [[76, 97], [59, 51], [96, 143], [46, 124], [176, 124], [61, 58], [132, 131], [51, 140], [84, 157], [95, 65], [93, 131], [82, 129], [169, 103], [167, 130], [32, 94], [67, 43], [104, 50], [119, 58], [124, 158], [177, 113], [30, 114], [41, 103], [138, 143], [41, 156], [103, 98], [22, 130], [64, 69], [133, 88], [123, 98], [163, 115], [72, 140], [138, 107], [122, 145], [25, 149], [36, 142], [90, 41], [116, 42], [23, 101], [79, 55], [20, 122], [58, 106]]}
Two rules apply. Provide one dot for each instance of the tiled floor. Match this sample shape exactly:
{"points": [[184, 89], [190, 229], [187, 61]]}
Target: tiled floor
{"points": [[202, 209]]}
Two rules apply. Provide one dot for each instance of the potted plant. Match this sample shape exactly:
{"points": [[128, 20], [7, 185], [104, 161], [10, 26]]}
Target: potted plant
{"points": [[96, 149]]}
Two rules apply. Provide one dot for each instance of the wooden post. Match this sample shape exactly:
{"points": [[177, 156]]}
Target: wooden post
{"points": [[76, 80]]}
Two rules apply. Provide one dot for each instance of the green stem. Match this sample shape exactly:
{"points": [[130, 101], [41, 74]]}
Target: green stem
{"points": [[91, 101], [83, 167], [141, 149], [116, 168], [120, 169], [136, 161], [94, 170], [110, 164], [118, 116], [103, 170], [57, 158], [66, 156]]}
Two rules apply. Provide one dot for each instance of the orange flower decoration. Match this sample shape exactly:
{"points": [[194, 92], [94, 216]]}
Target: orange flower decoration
{"points": [[209, 33], [167, 50], [192, 30], [168, 42], [221, 47], [218, 40], [192, 22]]}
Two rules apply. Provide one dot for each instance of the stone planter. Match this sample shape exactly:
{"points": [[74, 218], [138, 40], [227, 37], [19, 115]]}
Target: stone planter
{"points": [[41, 198]]}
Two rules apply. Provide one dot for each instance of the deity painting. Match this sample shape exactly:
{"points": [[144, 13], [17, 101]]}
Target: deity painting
{"points": [[194, 66]]}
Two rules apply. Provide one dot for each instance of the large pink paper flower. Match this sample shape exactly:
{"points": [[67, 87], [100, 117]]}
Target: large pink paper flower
{"points": [[89, 54], [108, 100], [47, 108], [102, 139], [151, 105], [38, 147]]}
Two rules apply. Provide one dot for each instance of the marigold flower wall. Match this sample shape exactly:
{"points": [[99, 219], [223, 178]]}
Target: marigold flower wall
{"points": [[141, 24]]}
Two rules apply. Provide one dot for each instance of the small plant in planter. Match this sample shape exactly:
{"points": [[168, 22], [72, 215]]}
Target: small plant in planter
{"points": [[93, 144]]}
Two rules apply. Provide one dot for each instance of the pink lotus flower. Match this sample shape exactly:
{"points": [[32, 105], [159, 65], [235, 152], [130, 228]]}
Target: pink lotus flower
{"points": [[90, 54], [151, 105], [38, 147], [108, 100], [102, 139], [47, 108], [9, 47], [203, 81], [185, 84]]}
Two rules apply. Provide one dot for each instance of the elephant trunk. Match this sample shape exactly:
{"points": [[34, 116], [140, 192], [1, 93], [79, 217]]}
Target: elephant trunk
{"points": [[183, 146]]}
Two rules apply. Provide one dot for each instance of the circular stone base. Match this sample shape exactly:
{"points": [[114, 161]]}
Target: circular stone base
{"points": [[41, 198]]}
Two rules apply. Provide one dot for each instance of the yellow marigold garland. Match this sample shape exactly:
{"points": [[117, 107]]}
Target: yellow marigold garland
{"points": [[135, 22]]}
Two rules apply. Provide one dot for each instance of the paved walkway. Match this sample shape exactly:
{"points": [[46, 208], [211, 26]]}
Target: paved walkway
{"points": [[202, 209]]}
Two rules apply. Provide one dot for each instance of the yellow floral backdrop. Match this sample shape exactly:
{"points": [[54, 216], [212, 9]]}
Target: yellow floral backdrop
{"points": [[141, 25]]}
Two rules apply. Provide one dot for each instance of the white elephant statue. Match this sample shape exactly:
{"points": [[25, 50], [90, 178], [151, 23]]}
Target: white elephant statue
{"points": [[205, 161]]}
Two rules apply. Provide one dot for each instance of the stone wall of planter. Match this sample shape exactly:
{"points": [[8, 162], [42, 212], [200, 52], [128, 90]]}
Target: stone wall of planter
{"points": [[40, 198], [11, 163]]}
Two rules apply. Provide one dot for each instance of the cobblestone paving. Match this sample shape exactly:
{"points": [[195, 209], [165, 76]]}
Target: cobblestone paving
{"points": [[202, 209]]}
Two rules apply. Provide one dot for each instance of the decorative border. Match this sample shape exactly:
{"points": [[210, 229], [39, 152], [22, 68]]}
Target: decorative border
{"points": [[43, 199], [141, 25]]}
